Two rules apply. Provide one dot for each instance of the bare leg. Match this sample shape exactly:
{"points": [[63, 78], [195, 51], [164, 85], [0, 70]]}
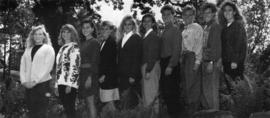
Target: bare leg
{"points": [[90, 101]]}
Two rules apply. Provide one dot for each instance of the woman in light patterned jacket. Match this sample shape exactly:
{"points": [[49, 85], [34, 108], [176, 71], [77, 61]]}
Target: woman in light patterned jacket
{"points": [[67, 68]]}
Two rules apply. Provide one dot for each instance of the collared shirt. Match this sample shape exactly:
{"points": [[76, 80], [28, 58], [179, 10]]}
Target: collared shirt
{"points": [[126, 37], [102, 45], [171, 46], [193, 40], [148, 32], [205, 35]]}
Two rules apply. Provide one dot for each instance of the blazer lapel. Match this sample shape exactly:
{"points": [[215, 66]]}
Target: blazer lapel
{"points": [[127, 43], [148, 35]]}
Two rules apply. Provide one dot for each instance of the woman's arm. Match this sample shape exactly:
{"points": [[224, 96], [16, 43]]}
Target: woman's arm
{"points": [[74, 67], [23, 68]]}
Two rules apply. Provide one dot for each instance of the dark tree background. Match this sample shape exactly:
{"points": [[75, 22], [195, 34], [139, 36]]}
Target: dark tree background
{"points": [[18, 16]]}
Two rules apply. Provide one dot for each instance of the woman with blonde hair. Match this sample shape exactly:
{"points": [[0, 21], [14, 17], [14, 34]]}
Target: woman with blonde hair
{"points": [[36, 65], [129, 62], [67, 69], [107, 68]]}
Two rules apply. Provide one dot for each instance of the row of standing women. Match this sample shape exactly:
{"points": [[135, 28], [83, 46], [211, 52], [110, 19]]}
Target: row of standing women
{"points": [[137, 63]]}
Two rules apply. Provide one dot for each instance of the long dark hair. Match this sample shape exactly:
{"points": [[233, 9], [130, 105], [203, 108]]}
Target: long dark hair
{"points": [[142, 29], [92, 24], [237, 16]]}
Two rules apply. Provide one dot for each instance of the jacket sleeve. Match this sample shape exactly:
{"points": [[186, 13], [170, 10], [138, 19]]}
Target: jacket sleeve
{"points": [[153, 53], [176, 47], [23, 68], [215, 42], [137, 58], [48, 64], [75, 61], [241, 43]]}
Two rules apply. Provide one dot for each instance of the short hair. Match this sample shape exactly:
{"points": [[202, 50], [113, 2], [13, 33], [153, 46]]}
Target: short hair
{"points": [[30, 39], [189, 8], [111, 26], [167, 7], [210, 6], [74, 34]]}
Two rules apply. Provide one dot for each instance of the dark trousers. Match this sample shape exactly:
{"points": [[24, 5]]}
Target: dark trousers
{"points": [[36, 100], [68, 100], [170, 88]]}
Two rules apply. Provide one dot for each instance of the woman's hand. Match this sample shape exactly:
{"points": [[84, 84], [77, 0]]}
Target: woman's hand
{"points": [[88, 82], [168, 71], [131, 80], [233, 65], [68, 89], [210, 67], [102, 79], [147, 76]]}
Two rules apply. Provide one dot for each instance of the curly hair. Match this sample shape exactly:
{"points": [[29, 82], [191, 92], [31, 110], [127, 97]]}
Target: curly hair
{"points": [[237, 16]]}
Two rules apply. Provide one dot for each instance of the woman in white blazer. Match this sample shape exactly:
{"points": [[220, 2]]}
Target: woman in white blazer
{"points": [[36, 65]]}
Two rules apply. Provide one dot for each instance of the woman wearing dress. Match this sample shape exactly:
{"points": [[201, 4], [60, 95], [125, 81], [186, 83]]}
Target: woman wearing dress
{"points": [[36, 65], [67, 69], [107, 67], [151, 55], [90, 54], [129, 63], [234, 40]]}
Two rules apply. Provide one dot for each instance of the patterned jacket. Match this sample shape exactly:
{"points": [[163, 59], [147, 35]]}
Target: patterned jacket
{"points": [[68, 62]]}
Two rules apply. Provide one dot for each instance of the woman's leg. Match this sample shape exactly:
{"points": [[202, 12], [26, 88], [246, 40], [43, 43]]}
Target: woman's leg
{"points": [[90, 101], [68, 101]]}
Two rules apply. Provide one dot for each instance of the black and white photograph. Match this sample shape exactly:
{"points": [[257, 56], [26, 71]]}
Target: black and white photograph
{"points": [[134, 59]]}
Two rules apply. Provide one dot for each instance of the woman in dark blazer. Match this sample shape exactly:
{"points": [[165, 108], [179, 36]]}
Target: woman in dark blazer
{"points": [[107, 67], [151, 56], [129, 62], [234, 40]]}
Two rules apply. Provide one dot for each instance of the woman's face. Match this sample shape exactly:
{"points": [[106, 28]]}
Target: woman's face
{"points": [[228, 13], [39, 37], [147, 23], [167, 16], [66, 35], [208, 15], [128, 26], [106, 32], [188, 17], [87, 29]]}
